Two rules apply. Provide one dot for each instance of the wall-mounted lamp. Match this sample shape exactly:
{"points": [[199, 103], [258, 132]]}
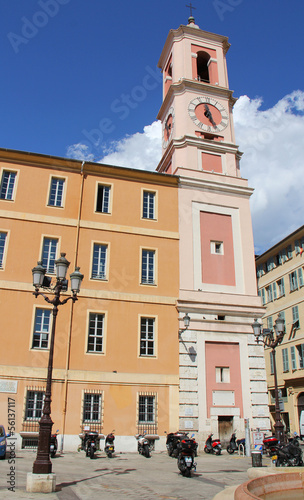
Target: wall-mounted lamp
{"points": [[186, 320]]}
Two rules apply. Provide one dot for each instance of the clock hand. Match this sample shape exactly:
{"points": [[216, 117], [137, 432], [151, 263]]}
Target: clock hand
{"points": [[208, 115]]}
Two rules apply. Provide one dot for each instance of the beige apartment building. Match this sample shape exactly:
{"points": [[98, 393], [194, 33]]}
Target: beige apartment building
{"points": [[280, 278]]}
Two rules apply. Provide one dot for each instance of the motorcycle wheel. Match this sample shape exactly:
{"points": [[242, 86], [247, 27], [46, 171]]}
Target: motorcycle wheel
{"points": [[218, 451], [206, 450], [146, 451], [110, 454], [53, 453], [230, 450], [281, 462], [91, 452], [170, 450]]}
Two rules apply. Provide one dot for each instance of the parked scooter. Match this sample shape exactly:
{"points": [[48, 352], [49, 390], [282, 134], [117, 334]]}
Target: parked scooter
{"points": [[187, 451], [234, 444], [173, 441], [146, 443], [288, 455], [270, 444], [54, 444], [91, 441], [109, 444], [213, 445]]}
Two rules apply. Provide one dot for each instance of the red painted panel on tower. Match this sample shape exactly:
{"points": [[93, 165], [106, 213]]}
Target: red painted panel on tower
{"points": [[223, 374], [217, 252], [212, 163]]}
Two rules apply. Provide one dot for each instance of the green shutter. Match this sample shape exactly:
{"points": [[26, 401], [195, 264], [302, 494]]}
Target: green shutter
{"points": [[293, 357]]}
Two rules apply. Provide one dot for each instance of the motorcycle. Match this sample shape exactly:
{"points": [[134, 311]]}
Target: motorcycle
{"points": [[173, 441], [288, 455], [187, 451], [91, 441], [109, 444], [54, 444], [213, 445], [145, 443], [270, 444], [234, 444]]}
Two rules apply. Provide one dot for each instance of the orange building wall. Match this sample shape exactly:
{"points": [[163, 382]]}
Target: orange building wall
{"points": [[119, 372]]}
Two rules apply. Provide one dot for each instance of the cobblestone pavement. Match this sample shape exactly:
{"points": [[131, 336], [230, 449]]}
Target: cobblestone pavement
{"points": [[128, 476]]}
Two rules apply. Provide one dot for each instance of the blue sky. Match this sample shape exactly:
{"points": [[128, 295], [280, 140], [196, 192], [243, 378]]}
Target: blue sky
{"points": [[67, 65]]}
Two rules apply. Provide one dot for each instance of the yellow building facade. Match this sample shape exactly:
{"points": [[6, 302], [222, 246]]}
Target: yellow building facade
{"points": [[116, 362], [281, 287]]}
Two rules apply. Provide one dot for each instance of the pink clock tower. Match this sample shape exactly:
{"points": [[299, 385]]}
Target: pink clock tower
{"points": [[222, 370]]}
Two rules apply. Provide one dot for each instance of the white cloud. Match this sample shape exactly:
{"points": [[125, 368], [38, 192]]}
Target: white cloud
{"points": [[79, 152], [141, 150], [273, 161]]}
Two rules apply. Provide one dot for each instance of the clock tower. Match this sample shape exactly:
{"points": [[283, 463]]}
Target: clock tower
{"points": [[222, 370]]}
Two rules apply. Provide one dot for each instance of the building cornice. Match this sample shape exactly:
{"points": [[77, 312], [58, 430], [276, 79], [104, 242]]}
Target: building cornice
{"points": [[84, 167], [220, 185]]}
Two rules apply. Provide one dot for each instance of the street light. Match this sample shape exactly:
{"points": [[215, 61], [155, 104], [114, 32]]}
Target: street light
{"points": [[42, 464], [272, 338], [186, 320]]}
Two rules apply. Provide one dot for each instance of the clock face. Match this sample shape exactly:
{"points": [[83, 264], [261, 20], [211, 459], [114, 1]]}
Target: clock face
{"points": [[208, 114], [168, 127]]}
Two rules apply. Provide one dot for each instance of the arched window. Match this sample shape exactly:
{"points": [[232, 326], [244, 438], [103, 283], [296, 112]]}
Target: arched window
{"points": [[202, 67]]}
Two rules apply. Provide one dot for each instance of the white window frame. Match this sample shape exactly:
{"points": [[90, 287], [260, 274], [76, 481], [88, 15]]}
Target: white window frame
{"points": [[144, 408], [49, 262], [101, 262], [13, 189], [109, 187], [143, 337], [96, 335], [59, 196], [153, 196], [293, 281], [38, 411], [222, 374], [281, 287], [145, 272], [217, 247], [44, 335], [4, 250], [91, 397]]}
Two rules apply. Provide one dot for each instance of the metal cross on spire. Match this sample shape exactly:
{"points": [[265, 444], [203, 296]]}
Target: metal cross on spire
{"points": [[191, 8]]}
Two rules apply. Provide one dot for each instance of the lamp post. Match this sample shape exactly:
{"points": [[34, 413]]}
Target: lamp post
{"points": [[271, 339], [186, 320], [42, 464]]}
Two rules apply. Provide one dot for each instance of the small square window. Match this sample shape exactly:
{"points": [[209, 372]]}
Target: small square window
{"points": [[217, 247], [222, 374]]}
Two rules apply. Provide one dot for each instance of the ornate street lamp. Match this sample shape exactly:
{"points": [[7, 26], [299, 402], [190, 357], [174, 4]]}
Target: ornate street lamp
{"points": [[271, 339], [186, 320], [42, 464]]}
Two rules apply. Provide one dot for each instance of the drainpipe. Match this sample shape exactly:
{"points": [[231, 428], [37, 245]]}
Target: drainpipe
{"points": [[67, 365]]}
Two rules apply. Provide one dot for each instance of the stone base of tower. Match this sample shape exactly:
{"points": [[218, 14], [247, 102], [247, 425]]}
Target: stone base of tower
{"points": [[222, 382]]}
